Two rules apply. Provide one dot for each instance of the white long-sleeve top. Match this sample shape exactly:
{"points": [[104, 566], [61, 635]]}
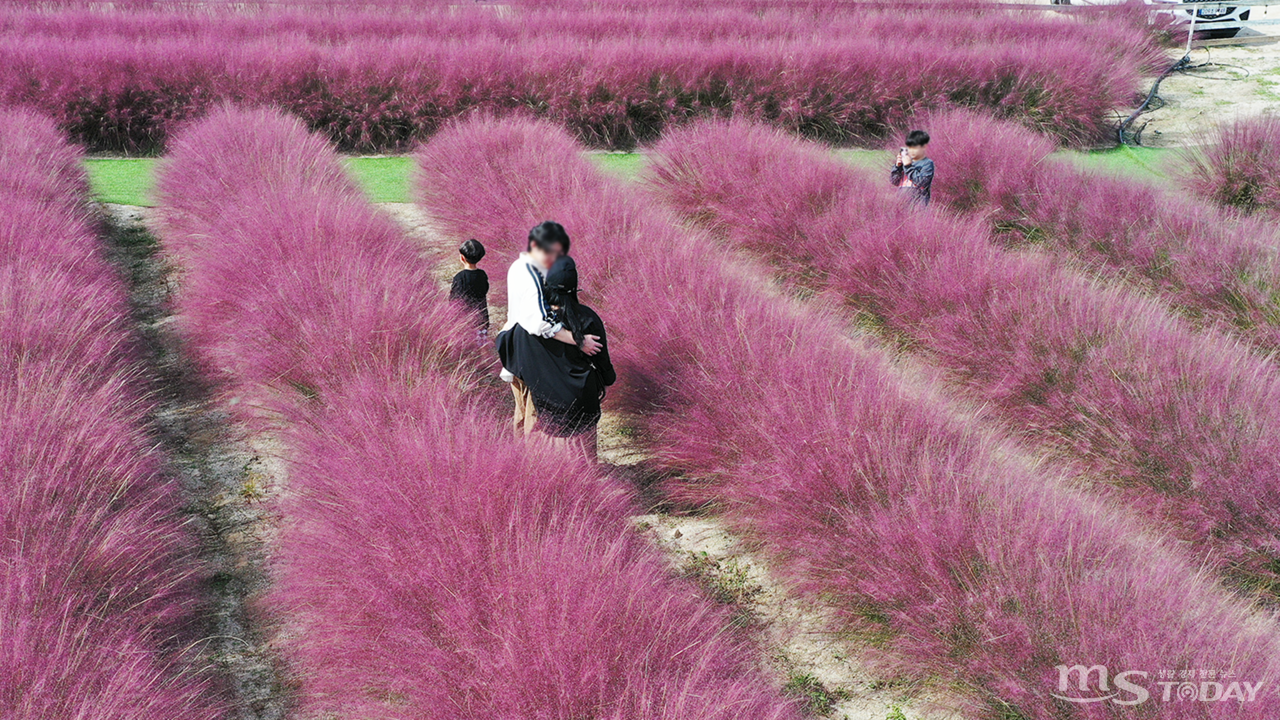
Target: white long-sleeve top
{"points": [[526, 305]]}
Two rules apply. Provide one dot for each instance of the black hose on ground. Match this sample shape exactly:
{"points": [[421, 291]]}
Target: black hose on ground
{"points": [[1155, 87]]}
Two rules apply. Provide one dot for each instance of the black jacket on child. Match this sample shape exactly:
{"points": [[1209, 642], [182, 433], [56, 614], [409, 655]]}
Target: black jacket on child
{"points": [[915, 179], [472, 288], [566, 384]]}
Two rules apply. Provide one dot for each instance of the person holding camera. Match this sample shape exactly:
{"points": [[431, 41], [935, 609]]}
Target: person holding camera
{"points": [[913, 171]]}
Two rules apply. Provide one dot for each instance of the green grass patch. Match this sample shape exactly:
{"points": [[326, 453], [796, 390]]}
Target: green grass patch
{"points": [[727, 581], [626, 166], [122, 181], [1137, 163], [384, 179], [866, 159], [131, 181], [815, 698]]}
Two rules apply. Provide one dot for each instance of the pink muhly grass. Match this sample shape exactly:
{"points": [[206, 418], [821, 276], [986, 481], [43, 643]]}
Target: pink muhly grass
{"points": [[1212, 269], [866, 491], [1236, 166], [1173, 424], [944, 23], [98, 597], [611, 82], [281, 250], [429, 565], [498, 580], [38, 162]]}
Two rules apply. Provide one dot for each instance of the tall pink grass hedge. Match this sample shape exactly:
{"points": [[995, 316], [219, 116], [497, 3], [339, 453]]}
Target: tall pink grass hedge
{"points": [[429, 565], [1236, 166], [381, 81], [1173, 424], [99, 590], [272, 313], [864, 490], [755, 7], [1212, 269], [1113, 30]]}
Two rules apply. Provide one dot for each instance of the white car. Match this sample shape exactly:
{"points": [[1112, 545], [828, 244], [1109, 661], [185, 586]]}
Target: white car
{"points": [[1206, 18]]}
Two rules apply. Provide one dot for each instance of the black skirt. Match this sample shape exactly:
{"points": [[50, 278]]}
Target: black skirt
{"points": [[565, 385]]}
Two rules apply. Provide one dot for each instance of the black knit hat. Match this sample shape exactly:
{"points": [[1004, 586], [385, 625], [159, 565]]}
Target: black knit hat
{"points": [[562, 280]]}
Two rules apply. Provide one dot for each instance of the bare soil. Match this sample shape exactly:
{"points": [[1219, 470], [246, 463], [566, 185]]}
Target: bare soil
{"points": [[227, 480], [797, 638], [1223, 83]]}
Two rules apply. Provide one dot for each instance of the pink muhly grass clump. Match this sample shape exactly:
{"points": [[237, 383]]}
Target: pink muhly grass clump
{"points": [[986, 166], [1174, 424], [98, 597], [97, 600], [429, 565], [1210, 268], [38, 162], [280, 251], [504, 583], [1236, 165], [866, 491]]}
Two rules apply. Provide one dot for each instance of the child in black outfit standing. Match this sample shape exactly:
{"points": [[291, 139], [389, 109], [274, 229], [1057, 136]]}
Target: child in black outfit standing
{"points": [[471, 284]]}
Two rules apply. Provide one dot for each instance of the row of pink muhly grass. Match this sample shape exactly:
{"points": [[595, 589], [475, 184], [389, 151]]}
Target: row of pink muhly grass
{"points": [[1238, 167], [429, 565], [1109, 30], [526, 8], [368, 93], [1211, 268], [99, 583], [967, 567], [1176, 425]]}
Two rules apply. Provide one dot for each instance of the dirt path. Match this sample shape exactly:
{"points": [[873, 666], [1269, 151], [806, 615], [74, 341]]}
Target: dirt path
{"points": [[810, 659], [1225, 83], [227, 481], [798, 646]]}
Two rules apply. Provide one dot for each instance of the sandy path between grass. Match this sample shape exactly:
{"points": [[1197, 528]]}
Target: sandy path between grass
{"points": [[798, 646], [228, 480], [1238, 81]]}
